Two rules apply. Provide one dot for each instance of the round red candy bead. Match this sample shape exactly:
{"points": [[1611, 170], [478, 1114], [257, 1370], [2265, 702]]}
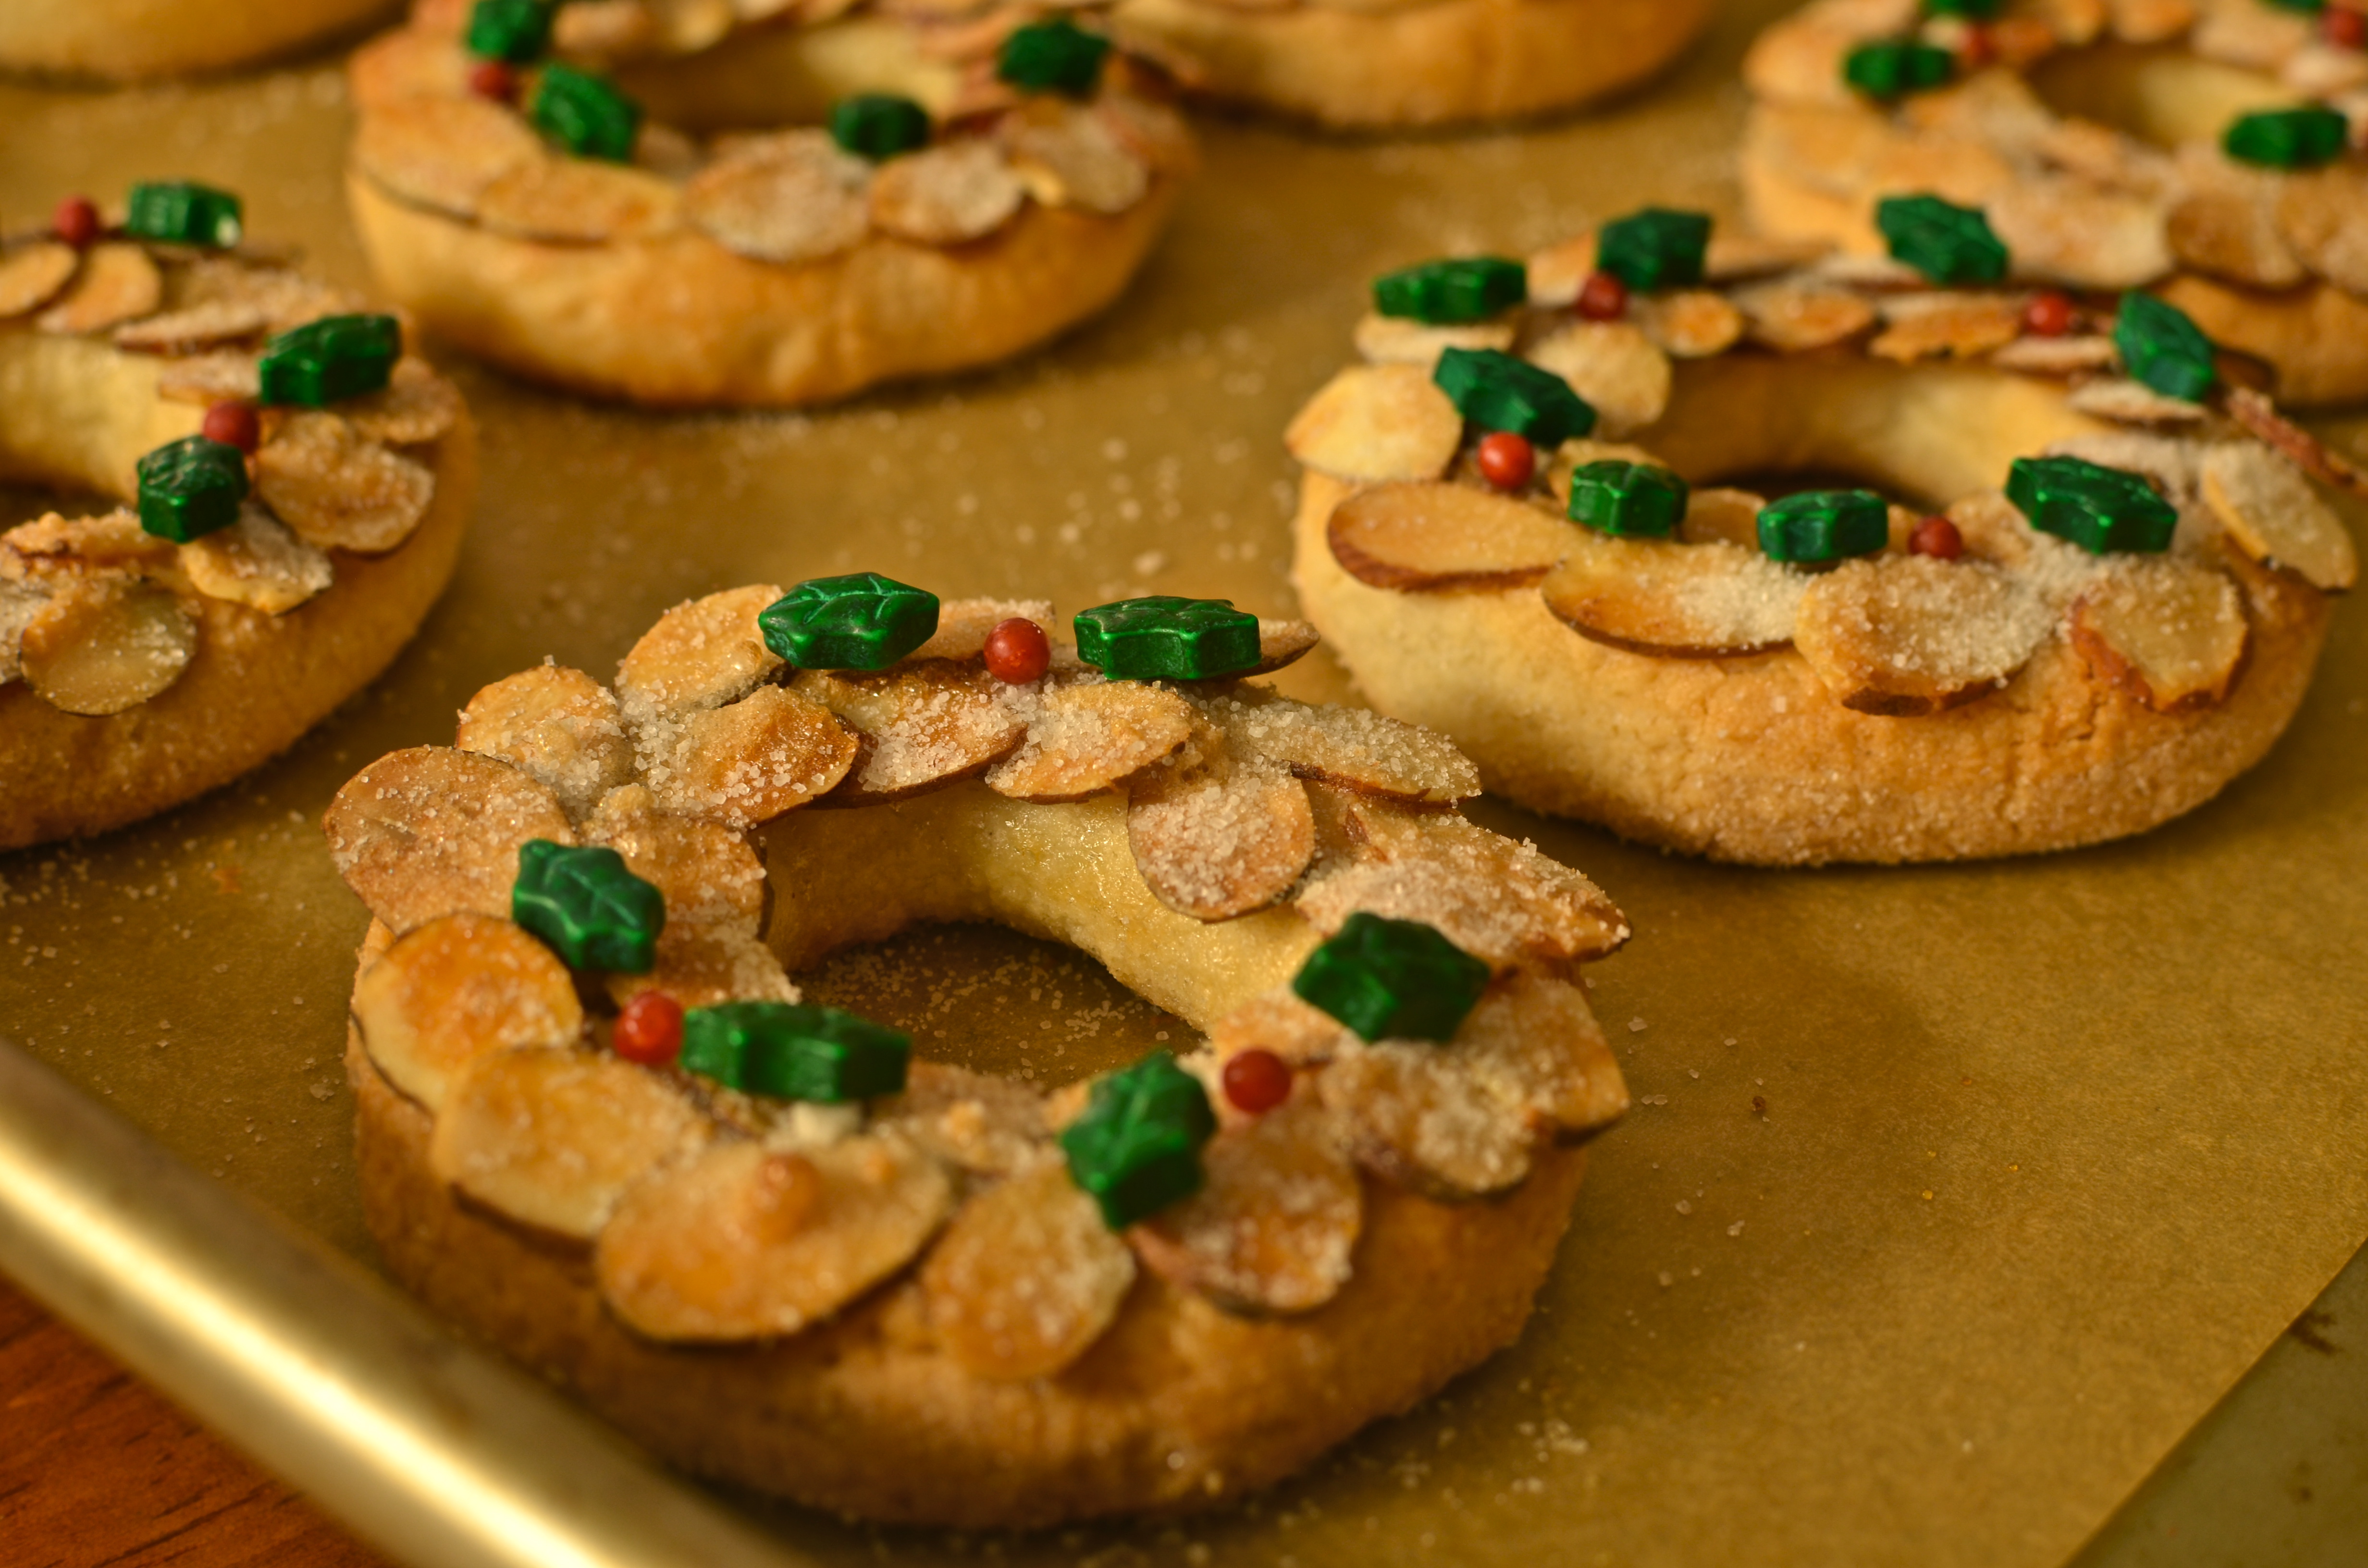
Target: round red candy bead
{"points": [[233, 425], [2049, 315], [76, 221], [1602, 297], [493, 79], [1506, 461], [1937, 538], [2344, 27], [1018, 652], [1256, 1081], [1979, 48], [649, 1030]]}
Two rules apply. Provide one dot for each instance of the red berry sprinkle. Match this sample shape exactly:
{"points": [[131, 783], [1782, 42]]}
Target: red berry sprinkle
{"points": [[1018, 652], [493, 79], [1506, 461], [1937, 538], [2344, 27], [1256, 1081], [233, 425], [650, 1030], [76, 221], [1603, 298], [1980, 48], [2049, 315]]}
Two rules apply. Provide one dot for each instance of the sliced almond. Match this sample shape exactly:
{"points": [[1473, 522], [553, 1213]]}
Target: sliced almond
{"points": [[20, 602], [455, 991], [1067, 155], [1027, 1277], [577, 201], [2324, 215], [1414, 537], [964, 625], [1091, 737], [740, 1243], [802, 200], [2171, 463], [2150, 21], [53, 546], [2126, 402], [2255, 37], [2172, 631], [1557, 273], [258, 563], [560, 725], [1903, 635], [1395, 340], [194, 328], [117, 283], [106, 642], [701, 653], [2275, 516], [707, 873], [766, 754], [986, 1125], [1215, 842], [443, 153], [280, 297], [2233, 234], [1674, 600], [1723, 517], [1951, 327], [552, 1139], [1275, 1224], [1377, 422], [2076, 231], [1416, 1116], [704, 965], [1281, 643], [2258, 415], [947, 195], [415, 407], [1534, 1045], [338, 490], [1738, 256], [1159, 135], [1794, 316], [1352, 747], [924, 724], [429, 830], [1689, 324], [1615, 366], [2072, 356], [32, 275], [210, 378]]}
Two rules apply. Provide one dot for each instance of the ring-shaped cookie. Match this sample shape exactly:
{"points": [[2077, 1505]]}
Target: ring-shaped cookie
{"points": [[949, 218], [154, 652], [131, 39], [2103, 142], [1819, 678], [950, 1298]]}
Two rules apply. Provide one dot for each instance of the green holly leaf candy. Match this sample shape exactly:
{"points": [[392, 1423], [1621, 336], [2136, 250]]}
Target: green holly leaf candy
{"points": [[593, 912], [1164, 638], [1658, 248], [862, 621], [190, 488], [1496, 392], [1818, 525], [182, 212], [795, 1051], [1057, 56], [879, 126], [1632, 500], [2096, 507], [2288, 139], [585, 114], [1449, 293], [1392, 980], [331, 359], [1972, 10], [515, 31], [1894, 69], [1947, 243], [1137, 1147], [2162, 347]]}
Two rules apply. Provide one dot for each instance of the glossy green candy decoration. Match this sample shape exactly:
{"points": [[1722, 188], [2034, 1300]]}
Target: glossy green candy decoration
{"points": [[1818, 525], [1974, 10], [1894, 69], [1137, 1147], [593, 912], [331, 359], [1658, 248], [2162, 347], [1164, 638], [1449, 293], [861, 622], [1946, 242], [2096, 507], [182, 212], [1392, 980], [1057, 56], [190, 488], [1496, 392], [879, 126], [2288, 139], [585, 114], [794, 1051], [1630, 500], [514, 31]]}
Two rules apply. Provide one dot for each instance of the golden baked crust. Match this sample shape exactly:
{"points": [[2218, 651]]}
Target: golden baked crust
{"points": [[1430, 63], [130, 40]]}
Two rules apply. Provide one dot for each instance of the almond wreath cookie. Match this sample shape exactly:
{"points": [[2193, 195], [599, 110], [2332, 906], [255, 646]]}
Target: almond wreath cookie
{"points": [[1504, 532], [980, 185], [127, 39], [293, 487], [598, 1126], [2234, 187]]}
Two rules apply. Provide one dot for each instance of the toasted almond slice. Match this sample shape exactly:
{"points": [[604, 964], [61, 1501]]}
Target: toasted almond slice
{"points": [[2258, 415], [2057, 356], [210, 378], [193, 328], [577, 201], [1027, 1277], [443, 153], [32, 275], [1377, 422], [552, 1139], [2321, 214], [701, 653], [1394, 340], [946, 195], [1352, 747], [2275, 516], [1218, 842], [20, 602], [1615, 366], [54, 546], [282, 297], [1720, 515], [455, 991], [1067, 155], [2322, 70], [766, 754], [986, 1125], [1282, 643], [417, 406], [1557, 273], [2170, 630], [707, 873], [1275, 1224], [962, 625], [1951, 327], [1091, 737], [1691, 324], [608, 29], [2150, 21], [2126, 402], [1903, 635], [1154, 130], [338, 490], [1415, 1116], [560, 725], [257, 561], [1675, 601], [739, 1242], [2233, 235], [2257, 38], [117, 283], [429, 830], [1794, 316], [104, 642], [1414, 536], [2168, 463], [801, 200], [1534, 1045], [2078, 231], [703, 965], [1737, 255], [924, 724]]}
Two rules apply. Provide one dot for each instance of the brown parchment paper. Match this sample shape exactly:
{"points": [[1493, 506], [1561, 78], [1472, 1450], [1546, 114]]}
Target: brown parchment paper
{"points": [[1953, 1196]]}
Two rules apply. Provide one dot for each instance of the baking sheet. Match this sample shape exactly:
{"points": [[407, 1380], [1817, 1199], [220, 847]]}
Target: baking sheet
{"points": [[1953, 1196]]}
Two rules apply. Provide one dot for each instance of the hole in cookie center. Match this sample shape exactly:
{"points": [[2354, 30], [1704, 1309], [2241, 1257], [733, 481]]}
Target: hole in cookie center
{"points": [[771, 78], [2161, 94], [23, 503]]}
